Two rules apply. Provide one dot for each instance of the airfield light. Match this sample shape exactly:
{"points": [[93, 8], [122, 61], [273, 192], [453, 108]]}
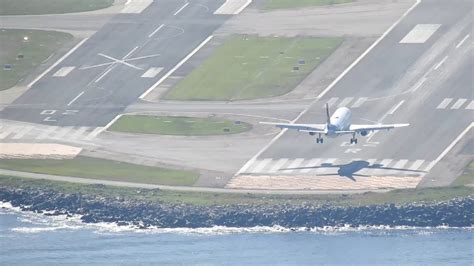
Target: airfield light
{"points": [[26, 38]]}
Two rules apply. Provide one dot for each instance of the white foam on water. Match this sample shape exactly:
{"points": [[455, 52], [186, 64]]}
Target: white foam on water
{"points": [[44, 223]]}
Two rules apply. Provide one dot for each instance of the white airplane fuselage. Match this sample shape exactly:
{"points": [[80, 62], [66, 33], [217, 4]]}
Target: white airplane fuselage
{"points": [[339, 121]]}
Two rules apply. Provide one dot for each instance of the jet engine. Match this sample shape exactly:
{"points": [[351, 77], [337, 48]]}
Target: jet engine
{"points": [[364, 133]]}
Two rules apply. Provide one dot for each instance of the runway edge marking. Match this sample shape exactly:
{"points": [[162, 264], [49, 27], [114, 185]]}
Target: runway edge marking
{"points": [[441, 156], [176, 67], [57, 62], [252, 160]]}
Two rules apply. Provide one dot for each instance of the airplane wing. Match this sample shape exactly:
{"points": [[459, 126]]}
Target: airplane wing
{"points": [[368, 128], [310, 128]]}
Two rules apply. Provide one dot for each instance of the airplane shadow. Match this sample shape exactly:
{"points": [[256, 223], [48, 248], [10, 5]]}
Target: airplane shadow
{"points": [[350, 170]]}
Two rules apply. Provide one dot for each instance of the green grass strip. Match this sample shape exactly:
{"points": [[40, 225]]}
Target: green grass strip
{"points": [[181, 126], [39, 46], [38, 7], [251, 67], [87, 167]]}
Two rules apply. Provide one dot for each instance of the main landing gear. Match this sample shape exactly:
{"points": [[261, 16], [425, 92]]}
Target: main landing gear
{"points": [[353, 139], [319, 139]]}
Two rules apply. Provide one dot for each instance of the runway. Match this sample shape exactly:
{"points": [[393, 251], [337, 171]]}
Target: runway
{"points": [[422, 77], [122, 60]]}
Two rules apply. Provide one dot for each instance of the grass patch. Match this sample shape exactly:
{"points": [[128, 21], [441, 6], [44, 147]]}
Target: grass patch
{"points": [[37, 7], [281, 4], [397, 197], [467, 177], [173, 125], [251, 67], [102, 169], [40, 46]]}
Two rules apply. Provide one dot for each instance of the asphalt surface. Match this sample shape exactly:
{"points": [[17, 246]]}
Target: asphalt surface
{"points": [[396, 83], [93, 96]]}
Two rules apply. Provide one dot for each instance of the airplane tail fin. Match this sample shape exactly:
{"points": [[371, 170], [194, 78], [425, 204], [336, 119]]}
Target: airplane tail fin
{"points": [[328, 116]]}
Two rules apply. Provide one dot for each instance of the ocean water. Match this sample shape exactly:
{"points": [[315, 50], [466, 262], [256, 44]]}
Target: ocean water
{"points": [[34, 239]]}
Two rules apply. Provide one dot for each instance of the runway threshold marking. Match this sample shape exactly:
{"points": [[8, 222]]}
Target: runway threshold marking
{"points": [[330, 86], [420, 33], [470, 106], [359, 102], [63, 71], [458, 104], [444, 103]]}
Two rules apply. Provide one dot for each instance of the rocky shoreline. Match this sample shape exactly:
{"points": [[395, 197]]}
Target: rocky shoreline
{"points": [[93, 209]]}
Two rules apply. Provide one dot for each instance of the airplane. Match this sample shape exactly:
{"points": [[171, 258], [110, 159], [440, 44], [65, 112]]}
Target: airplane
{"points": [[336, 125]]}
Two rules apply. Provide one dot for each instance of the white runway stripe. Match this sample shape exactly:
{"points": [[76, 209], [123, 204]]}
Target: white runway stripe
{"points": [[78, 133], [416, 165], [326, 166], [420, 33], [386, 162], [278, 165], [309, 166], [6, 131], [64, 71], [331, 102], [293, 165], [345, 102], [359, 102], [261, 165], [470, 106], [46, 132], [458, 103], [444, 103], [400, 164], [22, 132], [62, 132]]}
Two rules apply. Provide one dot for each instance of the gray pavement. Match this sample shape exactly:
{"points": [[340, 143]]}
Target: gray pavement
{"points": [[394, 83], [87, 90]]}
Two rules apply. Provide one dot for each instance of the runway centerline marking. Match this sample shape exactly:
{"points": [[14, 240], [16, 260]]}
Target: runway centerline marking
{"points": [[419, 84], [75, 99], [462, 41], [181, 9], [104, 74], [395, 108], [156, 30], [440, 63]]}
